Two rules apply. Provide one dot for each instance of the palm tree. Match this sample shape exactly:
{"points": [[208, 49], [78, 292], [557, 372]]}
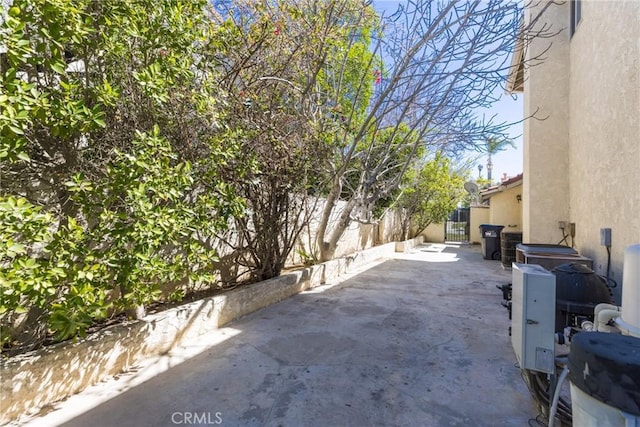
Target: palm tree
{"points": [[492, 146]]}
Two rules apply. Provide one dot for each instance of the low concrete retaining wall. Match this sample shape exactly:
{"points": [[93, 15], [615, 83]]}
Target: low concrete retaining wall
{"points": [[31, 381], [407, 245]]}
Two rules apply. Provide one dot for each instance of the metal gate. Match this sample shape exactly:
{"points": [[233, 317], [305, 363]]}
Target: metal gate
{"points": [[457, 227]]}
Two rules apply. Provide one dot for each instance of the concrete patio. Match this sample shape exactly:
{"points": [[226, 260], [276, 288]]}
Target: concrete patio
{"points": [[419, 339]]}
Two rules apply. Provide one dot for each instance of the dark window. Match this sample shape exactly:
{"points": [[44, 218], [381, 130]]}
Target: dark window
{"points": [[576, 14]]}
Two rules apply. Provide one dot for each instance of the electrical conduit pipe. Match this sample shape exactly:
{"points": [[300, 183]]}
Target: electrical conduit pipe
{"points": [[556, 396]]}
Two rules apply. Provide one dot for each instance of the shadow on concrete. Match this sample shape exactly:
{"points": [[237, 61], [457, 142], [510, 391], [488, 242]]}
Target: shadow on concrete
{"points": [[411, 341]]}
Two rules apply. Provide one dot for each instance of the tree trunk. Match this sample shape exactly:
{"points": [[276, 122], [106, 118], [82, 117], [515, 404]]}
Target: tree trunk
{"points": [[327, 210], [328, 249]]}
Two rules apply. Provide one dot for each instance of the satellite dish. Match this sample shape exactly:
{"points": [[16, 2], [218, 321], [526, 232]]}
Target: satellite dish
{"points": [[471, 187]]}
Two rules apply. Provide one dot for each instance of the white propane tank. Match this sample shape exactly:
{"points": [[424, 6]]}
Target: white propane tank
{"points": [[631, 289]]}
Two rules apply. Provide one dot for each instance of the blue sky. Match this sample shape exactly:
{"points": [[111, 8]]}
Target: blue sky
{"points": [[509, 161], [507, 110]]}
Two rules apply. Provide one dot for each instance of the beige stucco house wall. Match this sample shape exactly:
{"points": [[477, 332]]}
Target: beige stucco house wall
{"points": [[479, 215], [506, 209], [546, 152], [501, 205], [434, 233], [582, 162], [505, 204]]}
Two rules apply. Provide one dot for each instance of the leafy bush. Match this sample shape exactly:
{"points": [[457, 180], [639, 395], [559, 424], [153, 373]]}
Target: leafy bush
{"points": [[111, 150], [430, 192]]}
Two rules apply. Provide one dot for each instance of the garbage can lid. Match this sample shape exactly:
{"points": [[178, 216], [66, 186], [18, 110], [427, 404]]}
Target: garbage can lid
{"points": [[607, 367]]}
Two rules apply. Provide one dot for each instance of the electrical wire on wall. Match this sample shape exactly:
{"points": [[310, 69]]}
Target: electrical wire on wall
{"points": [[564, 237], [610, 282]]}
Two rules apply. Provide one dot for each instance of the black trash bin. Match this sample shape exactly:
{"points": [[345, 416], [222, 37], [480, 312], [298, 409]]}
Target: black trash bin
{"points": [[490, 240]]}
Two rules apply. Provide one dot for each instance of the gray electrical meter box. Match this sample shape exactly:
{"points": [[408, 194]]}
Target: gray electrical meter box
{"points": [[533, 317]]}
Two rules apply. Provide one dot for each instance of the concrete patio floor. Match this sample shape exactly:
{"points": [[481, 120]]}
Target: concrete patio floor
{"points": [[417, 340]]}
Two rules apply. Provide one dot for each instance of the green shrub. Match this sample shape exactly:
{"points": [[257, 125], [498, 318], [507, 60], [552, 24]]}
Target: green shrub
{"points": [[110, 153]]}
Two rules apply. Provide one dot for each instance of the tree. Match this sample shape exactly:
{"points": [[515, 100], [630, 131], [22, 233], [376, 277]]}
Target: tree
{"points": [[492, 146], [442, 61], [429, 193], [283, 61]]}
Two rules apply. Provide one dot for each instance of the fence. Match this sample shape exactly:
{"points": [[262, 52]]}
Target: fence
{"points": [[457, 227]]}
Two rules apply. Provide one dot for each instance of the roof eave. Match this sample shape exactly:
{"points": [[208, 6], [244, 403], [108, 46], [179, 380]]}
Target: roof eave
{"points": [[515, 78]]}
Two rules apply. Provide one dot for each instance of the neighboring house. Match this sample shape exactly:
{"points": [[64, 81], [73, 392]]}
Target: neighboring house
{"points": [[582, 158], [505, 203], [498, 205]]}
